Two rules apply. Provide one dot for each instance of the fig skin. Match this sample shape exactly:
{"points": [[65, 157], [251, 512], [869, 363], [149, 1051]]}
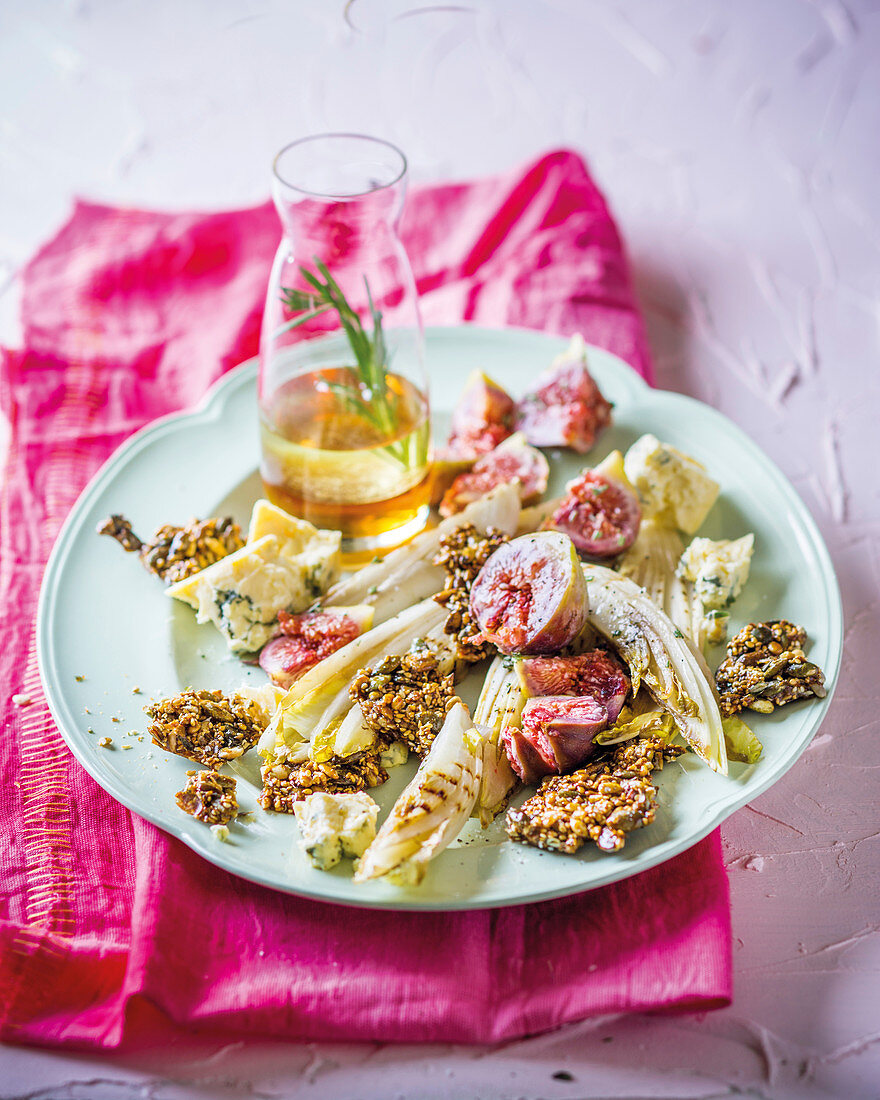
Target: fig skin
{"points": [[482, 418], [530, 597], [514, 458], [597, 674], [523, 757], [307, 639], [600, 515], [562, 728], [564, 408]]}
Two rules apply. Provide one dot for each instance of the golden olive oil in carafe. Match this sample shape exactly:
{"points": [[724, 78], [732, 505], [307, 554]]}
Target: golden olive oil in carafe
{"points": [[332, 456]]}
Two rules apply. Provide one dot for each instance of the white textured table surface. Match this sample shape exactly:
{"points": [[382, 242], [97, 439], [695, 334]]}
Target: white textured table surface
{"points": [[738, 145]]}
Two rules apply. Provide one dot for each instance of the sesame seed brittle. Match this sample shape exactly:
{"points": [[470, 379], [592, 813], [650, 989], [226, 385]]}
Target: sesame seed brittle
{"points": [[766, 667], [405, 698], [206, 726], [175, 553], [209, 797], [463, 553], [601, 802], [286, 784]]}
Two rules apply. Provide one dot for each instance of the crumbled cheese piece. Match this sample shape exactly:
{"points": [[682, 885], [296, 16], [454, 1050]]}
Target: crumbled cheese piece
{"points": [[333, 825], [22, 700], [396, 754], [268, 519], [220, 832], [715, 625], [673, 488], [243, 592], [719, 570], [105, 742]]}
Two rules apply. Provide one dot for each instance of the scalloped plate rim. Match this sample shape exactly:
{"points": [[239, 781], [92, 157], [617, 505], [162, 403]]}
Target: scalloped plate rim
{"points": [[210, 408]]}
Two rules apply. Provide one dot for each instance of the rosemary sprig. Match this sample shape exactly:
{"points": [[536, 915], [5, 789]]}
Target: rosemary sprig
{"points": [[380, 406]]}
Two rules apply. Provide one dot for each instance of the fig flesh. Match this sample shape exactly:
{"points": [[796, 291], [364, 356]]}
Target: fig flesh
{"points": [[565, 407], [523, 757], [513, 459], [562, 727], [308, 638], [530, 596], [481, 419], [600, 516], [597, 674]]}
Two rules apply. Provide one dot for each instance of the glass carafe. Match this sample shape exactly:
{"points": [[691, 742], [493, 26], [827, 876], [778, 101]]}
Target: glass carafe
{"points": [[343, 394]]}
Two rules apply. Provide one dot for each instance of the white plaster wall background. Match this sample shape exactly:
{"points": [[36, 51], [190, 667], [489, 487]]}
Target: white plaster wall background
{"points": [[738, 144]]}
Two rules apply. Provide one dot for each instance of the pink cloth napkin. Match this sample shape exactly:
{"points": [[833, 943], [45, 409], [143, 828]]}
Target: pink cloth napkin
{"points": [[111, 932]]}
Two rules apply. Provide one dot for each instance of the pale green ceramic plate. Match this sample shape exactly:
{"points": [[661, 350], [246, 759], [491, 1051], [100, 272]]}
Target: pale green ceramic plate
{"points": [[203, 463]]}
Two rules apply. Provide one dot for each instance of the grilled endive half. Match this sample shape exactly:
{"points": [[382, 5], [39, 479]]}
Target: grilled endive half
{"points": [[408, 574], [500, 704], [661, 657], [432, 809], [321, 697], [651, 563], [351, 734]]}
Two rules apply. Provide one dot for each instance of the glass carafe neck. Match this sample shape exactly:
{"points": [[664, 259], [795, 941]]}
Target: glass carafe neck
{"points": [[333, 228], [338, 189]]}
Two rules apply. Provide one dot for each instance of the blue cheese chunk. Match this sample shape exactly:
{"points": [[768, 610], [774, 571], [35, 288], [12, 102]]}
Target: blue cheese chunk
{"points": [[715, 626], [318, 550], [674, 489], [718, 570], [335, 825], [242, 593], [396, 754], [269, 519]]}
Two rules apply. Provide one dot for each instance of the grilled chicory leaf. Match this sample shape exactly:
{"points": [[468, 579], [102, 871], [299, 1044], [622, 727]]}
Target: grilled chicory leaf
{"points": [[321, 697], [408, 574], [432, 809], [661, 657], [742, 744], [500, 704], [644, 718], [652, 562]]}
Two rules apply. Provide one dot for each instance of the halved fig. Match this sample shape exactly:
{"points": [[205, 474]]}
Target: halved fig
{"points": [[514, 458], [565, 407], [597, 674], [481, 419], [446, 466], [530, 597], [308, 638], [600, 516], [523, 757], [562, 728]]}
